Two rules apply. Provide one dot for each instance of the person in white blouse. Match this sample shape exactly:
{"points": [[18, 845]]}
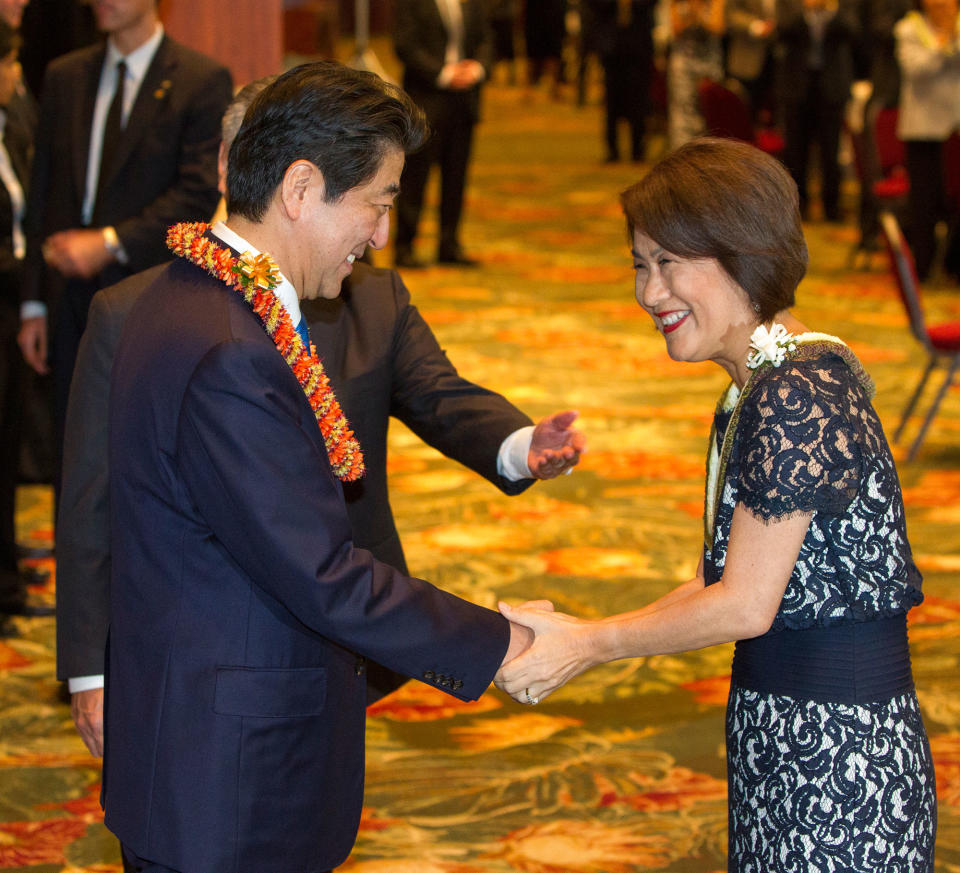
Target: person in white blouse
{"points": [[928, 51]]}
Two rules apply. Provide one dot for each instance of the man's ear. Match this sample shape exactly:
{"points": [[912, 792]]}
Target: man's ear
{"points": [[222, 168], [298, 180]]}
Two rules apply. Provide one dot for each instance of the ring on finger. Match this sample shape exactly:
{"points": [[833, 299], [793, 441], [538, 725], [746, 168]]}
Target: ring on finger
{"points": [[533, 701]]}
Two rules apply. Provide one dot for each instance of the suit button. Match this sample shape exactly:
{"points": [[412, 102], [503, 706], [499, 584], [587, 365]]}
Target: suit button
{"points": [[429, 675], [361, 666]]}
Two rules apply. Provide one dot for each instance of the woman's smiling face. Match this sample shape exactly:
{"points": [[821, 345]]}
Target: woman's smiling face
{"points": [[702, 313]]}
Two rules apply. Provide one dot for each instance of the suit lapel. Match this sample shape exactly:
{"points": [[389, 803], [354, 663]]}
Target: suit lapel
{"points": [[312, 425], [151, 97], [83, 119]]}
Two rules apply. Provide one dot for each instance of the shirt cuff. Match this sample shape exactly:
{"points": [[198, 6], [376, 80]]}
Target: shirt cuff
{"points": [[512, 458], [33, 309], [84, 683]]}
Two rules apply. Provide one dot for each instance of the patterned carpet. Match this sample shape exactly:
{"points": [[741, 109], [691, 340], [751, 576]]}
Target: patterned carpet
{"points": [[622, 770]]}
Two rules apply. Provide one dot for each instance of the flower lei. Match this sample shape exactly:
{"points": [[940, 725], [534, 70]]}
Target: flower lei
{"points": [[255, 278]]}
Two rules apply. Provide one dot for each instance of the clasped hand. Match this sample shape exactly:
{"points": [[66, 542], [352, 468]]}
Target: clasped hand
{"points": [[561, 650]]}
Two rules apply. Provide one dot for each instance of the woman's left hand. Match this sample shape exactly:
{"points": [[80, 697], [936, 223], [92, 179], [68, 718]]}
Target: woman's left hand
{"points": [[560, 651]]}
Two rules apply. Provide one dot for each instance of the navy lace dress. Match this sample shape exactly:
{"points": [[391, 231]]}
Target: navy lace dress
{"points": [[829, 767]]}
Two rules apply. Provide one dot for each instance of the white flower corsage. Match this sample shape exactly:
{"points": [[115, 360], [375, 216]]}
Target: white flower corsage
{"points": [[770, 345]]}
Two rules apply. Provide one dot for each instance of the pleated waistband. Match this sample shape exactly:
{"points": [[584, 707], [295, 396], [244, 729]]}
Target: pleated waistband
{"points": [[856, 662]]}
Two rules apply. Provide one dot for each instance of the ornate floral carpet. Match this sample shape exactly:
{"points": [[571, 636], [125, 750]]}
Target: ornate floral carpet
{"points": [[622, 770]]}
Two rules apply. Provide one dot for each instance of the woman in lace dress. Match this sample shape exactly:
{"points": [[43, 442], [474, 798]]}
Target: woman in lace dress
{"points": [[805, 562]]}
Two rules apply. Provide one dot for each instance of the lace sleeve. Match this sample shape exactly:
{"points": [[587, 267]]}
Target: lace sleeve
{"points": [[798, 448]]}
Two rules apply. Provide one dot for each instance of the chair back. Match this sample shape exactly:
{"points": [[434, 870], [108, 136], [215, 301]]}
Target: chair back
{"points": [[725, 113], [905, 272], [891, 151]]}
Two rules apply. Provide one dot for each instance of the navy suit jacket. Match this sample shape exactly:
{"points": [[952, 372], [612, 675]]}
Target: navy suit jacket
{"points": [[239, 603], [383, 361]]}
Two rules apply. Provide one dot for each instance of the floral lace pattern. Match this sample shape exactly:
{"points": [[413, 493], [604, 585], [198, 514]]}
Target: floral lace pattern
{"points": [[824, 787], [809, 440], [829, 787]]}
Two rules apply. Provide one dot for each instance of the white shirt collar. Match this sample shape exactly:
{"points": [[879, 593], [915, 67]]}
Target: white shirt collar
{"points": [[286, 293], [138, 60]]}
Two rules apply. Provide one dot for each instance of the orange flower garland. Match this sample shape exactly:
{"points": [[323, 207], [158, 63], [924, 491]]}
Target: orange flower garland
{"points": [[255, 278]]}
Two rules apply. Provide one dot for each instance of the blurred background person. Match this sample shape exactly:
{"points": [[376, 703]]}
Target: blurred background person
{"points": [[446, 50], [544, 32], [751, 26], [928, 51], [623, 36], [15, 153], [503, 23], [818, 41], [696, 52], [111, 174]]}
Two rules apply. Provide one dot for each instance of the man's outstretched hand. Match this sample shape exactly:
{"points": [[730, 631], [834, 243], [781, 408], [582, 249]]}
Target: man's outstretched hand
{"points": [[556, 446]]}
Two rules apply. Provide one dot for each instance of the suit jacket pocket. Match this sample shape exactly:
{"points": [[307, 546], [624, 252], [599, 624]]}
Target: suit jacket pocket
{"points": [[258, 692]]}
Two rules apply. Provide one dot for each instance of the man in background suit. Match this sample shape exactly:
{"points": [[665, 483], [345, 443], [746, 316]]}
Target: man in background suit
{"points": [[817, 44], [241, 611], [16, 145], [446, 50], [751, 26], [121, 154]]}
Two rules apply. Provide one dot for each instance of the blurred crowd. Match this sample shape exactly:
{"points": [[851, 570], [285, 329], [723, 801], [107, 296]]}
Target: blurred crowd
{"points": [[814, 80]]}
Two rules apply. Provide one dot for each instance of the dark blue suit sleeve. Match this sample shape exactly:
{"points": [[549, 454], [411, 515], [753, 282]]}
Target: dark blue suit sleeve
{"points": [[254, 465]]}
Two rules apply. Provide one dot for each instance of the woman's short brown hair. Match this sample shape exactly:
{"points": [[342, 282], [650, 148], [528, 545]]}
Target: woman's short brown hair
{"points": [[724, 199]]}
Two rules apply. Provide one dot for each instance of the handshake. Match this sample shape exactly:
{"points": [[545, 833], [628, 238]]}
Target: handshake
{"points": [[547, 649]]}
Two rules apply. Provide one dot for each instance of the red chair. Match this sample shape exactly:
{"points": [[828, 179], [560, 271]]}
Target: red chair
{"points": [[726, 113], [940, 341], [894, 183]]}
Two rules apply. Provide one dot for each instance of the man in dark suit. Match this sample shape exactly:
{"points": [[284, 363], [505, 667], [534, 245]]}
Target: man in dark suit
{"points": [[241, 610], [122, 153], [817, 43], [16, 146], [446, 50], [382, 359]]}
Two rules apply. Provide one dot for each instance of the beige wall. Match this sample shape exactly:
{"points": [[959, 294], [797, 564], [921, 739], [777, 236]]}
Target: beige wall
{"points": [[246, 35]]}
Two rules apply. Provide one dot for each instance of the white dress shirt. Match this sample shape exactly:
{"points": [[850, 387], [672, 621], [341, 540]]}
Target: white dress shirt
{"points": [[138, 62]]}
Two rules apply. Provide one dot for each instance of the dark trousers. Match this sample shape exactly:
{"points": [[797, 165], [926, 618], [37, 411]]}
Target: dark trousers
{"points": [[12, 592], [627, 72], [451, 120], [809, 119], [926, 203]]}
